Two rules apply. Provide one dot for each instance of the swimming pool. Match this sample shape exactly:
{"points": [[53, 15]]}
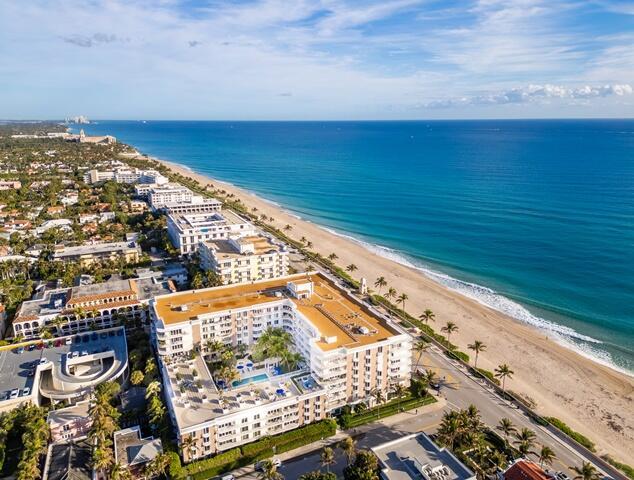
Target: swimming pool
{"points": [[245, 381]]}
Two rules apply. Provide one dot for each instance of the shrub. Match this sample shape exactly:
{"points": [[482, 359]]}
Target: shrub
{"points": [[626, 469], [176, 470], [576, 436]]}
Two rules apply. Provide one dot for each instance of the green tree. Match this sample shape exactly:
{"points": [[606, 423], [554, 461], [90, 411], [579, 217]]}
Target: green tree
{"points": [[351, 268], [380, 283], [449, 328], [503, 372], [391, 293], [365, 467], [268, 471], [477, 346], [327, 458], [427, 316], [402, 298], [348, 448], [587, 471], [318, 476], [420, 347], [136, 377], [546, 456]]}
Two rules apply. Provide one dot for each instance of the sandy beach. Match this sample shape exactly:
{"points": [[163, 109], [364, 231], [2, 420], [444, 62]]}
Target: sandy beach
{"points": [[591, 398]]}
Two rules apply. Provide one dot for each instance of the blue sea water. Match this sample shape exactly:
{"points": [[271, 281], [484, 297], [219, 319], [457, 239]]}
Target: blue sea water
{"points": [[534, 218]]}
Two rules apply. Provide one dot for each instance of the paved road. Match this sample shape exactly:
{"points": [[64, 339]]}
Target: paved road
{"points": [[461, 390]]}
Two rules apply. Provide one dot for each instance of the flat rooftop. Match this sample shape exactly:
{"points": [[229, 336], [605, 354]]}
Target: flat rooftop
{"points": [[341, 321], [418, 457], [59, 300], [261, 245], [94, 248], [207, 219], [196, 399]]}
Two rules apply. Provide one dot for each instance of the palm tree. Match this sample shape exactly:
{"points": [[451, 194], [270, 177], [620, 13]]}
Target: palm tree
{"points": [[546, 456], [477, 346], [391, 293], [525, 441], [426, 316], [380, 283], [119, 472], [399, 391], [377, 394], [419, 347], [587, 471], [402, 298], [309, 244], [348, 448], [153, 389], [302, 240], [268, 471], [332, 257], [504, 372], [188, 445], [351, 268], [506, 427], [449, 328], [327, 458], [288, 228]]}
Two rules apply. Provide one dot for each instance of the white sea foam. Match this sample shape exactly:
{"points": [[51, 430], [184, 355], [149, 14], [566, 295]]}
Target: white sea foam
{"points": [[482, 295]]}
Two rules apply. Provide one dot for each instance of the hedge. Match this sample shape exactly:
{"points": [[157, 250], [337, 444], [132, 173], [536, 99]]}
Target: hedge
{"points": [[389, 409], [576, 436], [251, 452], [488, 374], [626, 469]]}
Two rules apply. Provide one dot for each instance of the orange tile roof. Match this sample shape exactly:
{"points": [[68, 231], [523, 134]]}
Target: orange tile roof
{"points": [[341, 321], [523, 470]]}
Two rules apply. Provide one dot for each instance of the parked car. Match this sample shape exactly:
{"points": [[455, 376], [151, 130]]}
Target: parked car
{"points": [[14, 393], [68, 341], [31, 347], [58, 343], [83, 353], [228, 477], [26, 391], [40, 346], [21, 350]]}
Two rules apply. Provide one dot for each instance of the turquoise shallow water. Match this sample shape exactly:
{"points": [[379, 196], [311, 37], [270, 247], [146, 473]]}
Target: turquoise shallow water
{"points": [[535, 218]]}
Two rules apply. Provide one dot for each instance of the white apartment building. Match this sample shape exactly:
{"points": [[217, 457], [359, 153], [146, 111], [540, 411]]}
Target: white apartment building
{"points": [[198, 204], [126, 175], [186, 231], [161, 195], [350, 348], [244, 259]]}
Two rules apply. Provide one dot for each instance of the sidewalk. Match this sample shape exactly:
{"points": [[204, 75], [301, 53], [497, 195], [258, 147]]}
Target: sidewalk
{"points": [[353, 432]]}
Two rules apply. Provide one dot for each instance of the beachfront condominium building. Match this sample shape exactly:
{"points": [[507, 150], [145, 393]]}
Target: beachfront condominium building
{"points": [[161, 195], [186, 231], [350, 349], [123, 174], [65, 311], [244, 259], [86, 255]]}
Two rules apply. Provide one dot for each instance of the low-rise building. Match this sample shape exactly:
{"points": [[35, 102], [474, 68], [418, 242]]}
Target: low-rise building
{"points": [[186, 231], [71, 422], [132, 451], [61, 223], [128, 251], [523, 469], [244, 259], [69, 461], [416, 456], [65, 311]]}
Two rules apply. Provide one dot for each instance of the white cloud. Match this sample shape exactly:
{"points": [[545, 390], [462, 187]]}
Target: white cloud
{"points": [[535, 94]]}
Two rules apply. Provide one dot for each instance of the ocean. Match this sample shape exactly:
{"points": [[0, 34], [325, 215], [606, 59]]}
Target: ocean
{"points": [[534, 217]]}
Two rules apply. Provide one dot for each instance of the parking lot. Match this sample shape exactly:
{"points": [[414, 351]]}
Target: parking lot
{"points": [[18, 364]]}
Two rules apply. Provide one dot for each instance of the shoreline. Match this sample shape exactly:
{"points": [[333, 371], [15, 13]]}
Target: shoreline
{"points": [[558, 333], [589, 396]]}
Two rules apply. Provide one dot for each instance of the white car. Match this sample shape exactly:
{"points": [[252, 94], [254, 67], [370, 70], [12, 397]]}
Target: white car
{"points": [[43, 360], [26, 392], [68, 341], [228, 477], [14, 393], [83, 353]]}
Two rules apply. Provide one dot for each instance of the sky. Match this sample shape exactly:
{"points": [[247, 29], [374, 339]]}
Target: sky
{"points": [[320, 59]]}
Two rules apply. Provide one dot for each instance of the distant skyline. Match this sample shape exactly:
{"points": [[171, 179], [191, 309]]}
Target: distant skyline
{"points": [[322, 59]]}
